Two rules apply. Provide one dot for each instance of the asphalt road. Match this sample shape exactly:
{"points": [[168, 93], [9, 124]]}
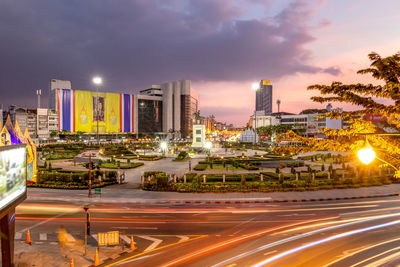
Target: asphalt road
{"points": [[362, 232]]}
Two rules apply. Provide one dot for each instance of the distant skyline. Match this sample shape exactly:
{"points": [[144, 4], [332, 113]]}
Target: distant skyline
{"points": [[223, 46]]}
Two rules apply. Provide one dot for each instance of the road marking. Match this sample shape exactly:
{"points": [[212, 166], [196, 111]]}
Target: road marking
{"points": [[70, 238], [381, 261], [146, 252], [95, 237], [155, 244], [361, 250], [43, 236], [126, 239], [18, 235], [53, 243], [182, 238], [269, 252]]}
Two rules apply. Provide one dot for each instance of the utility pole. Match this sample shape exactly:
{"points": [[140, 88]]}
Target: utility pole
{"points": [[87, 227], [90, 176]]}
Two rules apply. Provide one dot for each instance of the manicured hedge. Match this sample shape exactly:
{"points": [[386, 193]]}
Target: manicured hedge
{"points": [[200, 167]]}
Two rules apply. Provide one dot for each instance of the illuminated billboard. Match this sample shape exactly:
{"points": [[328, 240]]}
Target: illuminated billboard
{"points": [[77, 111], [13, 173]]}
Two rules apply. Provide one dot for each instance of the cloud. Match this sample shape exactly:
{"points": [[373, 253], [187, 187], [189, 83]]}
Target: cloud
{"points": [[133, 44]]}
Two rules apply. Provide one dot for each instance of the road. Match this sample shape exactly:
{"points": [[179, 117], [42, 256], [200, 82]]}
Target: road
{"points": [[363, 232]]}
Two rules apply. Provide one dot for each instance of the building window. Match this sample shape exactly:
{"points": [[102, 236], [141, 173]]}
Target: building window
{"points": [[149, 116], [198, 131], [198, 139]]}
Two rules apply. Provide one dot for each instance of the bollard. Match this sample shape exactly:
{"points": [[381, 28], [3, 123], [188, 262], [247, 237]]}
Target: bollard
{"points": [[174, 178], [261, 177], [96, 258], [297, 176], [223, 178], [72, 263], [28, 237], [142, 179], [313, 176], [184, 178], [132, 247], [380, 172], [329, 175], [204, 178], [343, 174]]}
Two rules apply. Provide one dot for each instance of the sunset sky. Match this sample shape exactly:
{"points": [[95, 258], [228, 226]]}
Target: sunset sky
{"points": [[222, 46]]}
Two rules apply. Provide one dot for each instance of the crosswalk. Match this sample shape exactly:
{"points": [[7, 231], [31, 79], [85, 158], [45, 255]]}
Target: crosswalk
{"points": [[142, 242]]}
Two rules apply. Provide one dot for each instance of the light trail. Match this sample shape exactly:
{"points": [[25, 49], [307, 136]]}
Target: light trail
{"points": [[384, 260], [289, 239], [375, 256], [321, 241], [361, 250], [234, 240]]}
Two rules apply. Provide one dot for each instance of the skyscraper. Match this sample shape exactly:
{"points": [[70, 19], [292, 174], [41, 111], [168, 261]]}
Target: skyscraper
{"points": [[264, 98]]}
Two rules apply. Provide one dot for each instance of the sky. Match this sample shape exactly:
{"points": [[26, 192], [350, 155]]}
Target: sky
{"points": [[223, 46]]}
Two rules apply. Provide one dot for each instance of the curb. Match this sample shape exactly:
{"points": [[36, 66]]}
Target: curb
{"points": [[207, 201]]}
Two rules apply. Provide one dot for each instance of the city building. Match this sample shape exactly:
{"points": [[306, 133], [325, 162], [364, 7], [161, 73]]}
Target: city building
{"points": [[199, 135], [264, 98], [40, 122], [309, 124], [165, 109]]}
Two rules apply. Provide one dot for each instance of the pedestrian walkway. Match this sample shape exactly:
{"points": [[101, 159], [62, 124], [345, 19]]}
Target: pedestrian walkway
{"points": [[120, 195]]}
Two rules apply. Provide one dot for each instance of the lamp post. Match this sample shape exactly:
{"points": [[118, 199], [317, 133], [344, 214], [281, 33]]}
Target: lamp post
{"points": [[163, 146], [97, 81], [255, 87], [367, 154]]}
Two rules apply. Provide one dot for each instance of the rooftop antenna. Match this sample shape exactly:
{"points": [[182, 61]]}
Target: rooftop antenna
{"points": [[38, 93]]}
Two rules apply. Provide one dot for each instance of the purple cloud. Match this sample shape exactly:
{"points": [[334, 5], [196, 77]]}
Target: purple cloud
{"points": [[137, 43]]}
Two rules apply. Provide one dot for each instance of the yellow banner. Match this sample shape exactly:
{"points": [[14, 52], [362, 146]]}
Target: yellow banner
{"points": [[83, 111], [112, 111], [266, 82]]}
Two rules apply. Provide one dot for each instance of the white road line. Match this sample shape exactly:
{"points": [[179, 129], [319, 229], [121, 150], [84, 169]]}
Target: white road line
{"points": [[182, 238], [43, 236], [53, 243], [95, 237], [70, 238], [156, 242], [127, 239], [18, 235]]}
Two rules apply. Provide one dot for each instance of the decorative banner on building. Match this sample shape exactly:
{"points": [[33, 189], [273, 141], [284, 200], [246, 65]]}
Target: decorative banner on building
{"points": [[77, 111], [83, 111], [127, 108], [13, 135], [65, 107], [112, 111]]}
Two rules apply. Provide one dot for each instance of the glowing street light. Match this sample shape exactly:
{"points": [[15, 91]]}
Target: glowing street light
{"points": [[366, 155], [208, 145], [163, 146], [255, 86], [97, 81]]}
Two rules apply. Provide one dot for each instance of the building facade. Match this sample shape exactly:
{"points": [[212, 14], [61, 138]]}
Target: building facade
{"points": [[40, 122], [160, 109], [264, 98]]}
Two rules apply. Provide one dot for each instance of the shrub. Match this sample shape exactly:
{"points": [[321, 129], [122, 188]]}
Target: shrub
{"points": [[200, 167]]}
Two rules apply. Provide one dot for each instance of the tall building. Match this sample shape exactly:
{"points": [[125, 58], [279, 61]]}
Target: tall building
{"points": [[264, 98], [160, 109]]}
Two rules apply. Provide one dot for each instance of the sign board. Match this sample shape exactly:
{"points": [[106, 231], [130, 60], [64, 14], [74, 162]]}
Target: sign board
{"points": [[13, 173], [108, 238]]}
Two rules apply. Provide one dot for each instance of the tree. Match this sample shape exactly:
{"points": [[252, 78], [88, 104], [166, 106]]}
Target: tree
{"points": [[368, 97]]}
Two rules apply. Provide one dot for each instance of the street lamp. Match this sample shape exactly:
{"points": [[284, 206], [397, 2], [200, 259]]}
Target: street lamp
{"points": [[367, 154], [255, 87], [97, 81], [163, 146]]}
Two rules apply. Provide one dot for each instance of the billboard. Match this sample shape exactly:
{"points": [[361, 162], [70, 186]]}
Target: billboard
{"points": [[13, 171], [77, 111]]}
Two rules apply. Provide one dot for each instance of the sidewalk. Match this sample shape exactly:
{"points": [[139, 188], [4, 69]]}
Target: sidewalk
{"points": [[137, 196]]}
